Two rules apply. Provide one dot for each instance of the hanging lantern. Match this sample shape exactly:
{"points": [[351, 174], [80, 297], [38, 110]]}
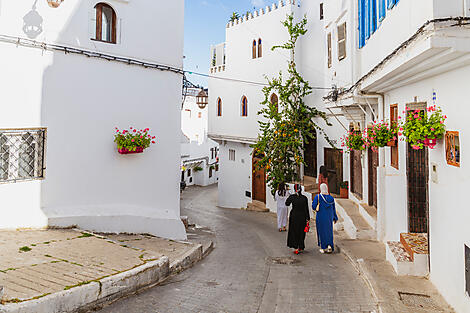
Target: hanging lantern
{"points": [[202, 99], [54, 3]]}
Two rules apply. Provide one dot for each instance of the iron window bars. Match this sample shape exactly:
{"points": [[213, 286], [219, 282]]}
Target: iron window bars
{"points": [[22, 154]]}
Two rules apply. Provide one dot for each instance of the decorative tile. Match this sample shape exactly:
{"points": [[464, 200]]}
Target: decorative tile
{"points": [[399, 251], [418, 243]]}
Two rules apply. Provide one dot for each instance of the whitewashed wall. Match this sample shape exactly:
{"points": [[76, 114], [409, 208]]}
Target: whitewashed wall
{"points": [[80, 100], [192, 125]]}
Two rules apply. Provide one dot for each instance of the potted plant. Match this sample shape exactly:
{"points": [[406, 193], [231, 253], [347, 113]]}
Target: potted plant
{"points": [[343, 190], [198, 169], [133, 140], [422, 129], [379, 135], [353, 141]]}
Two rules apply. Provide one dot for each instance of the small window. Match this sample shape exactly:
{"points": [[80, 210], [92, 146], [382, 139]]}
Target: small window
{"points": [[260, 48], [453, 148], [105, 23], [394, 149], [321, 11], [210, 172], [342, 41], [189, 173], [467, 270], [219, 107], [254, 49], [244, 107], [217, 167], [328, 39], [275, 101], [231, 155]]}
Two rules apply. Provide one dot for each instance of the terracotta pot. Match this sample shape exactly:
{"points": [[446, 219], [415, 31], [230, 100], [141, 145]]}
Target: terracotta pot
{"points": [[125, 151], [343, 193], [392, 143]]}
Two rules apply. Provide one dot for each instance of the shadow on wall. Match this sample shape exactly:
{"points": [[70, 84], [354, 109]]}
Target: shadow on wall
{"points": [[32, 23]]}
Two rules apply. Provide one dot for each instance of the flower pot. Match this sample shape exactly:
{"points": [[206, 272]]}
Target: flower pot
{"points": [[126, 151], [392, 143], [430, 143], [343, 193]]}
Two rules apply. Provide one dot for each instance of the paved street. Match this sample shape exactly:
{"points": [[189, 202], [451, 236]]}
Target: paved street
{"points": [[242, 275]]}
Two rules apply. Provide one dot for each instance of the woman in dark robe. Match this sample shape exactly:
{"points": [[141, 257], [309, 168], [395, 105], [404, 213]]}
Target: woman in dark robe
{"points": [[299, 216], [324, 205]]}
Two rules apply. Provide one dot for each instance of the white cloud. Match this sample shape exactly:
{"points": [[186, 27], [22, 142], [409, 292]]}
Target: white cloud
{"points": [[257, 3]]}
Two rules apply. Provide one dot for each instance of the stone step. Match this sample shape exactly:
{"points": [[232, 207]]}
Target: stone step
{"points": [[355, 225], [402, 263], [415, 244], [369, 213], [257, 206]]}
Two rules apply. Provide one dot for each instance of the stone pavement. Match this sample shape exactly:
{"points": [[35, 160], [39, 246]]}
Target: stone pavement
{"points": [[35, 263], [252, 270], [404, 294]]}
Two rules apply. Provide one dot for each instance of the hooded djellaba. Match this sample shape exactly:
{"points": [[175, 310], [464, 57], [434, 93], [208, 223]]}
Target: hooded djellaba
{"points": [[299, 216], [324, 205]]}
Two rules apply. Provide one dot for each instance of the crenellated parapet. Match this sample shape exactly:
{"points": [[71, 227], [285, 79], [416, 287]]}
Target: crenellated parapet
{"points": [[264, 11]]}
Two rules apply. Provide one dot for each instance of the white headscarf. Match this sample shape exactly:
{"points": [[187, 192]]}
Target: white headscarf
{"points": [[324, 189]]}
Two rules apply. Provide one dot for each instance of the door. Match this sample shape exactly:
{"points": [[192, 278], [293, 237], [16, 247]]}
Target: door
{"points": [[310, 155], [373, 157], [356, 173], [417, 178], [258, 182], [334, 167]]}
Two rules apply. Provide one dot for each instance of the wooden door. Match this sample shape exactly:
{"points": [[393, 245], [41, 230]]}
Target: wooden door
{"points": [[310, 155], [356, 173], [373, 157], [417, 178], [334, 167], [259, 182]]}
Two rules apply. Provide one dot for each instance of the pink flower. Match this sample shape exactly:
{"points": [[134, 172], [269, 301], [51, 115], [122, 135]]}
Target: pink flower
{"points": [[432, 129], [135, 130], [132, 140], [153, 141], [141, 137], [445, 116], [395, 138], [416, 115], [153, 137], [442, 122], [400, 134], [130, 127]]}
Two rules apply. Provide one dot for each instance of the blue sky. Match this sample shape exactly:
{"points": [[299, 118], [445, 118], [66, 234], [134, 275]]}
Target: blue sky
{"points": [[205, 22]]}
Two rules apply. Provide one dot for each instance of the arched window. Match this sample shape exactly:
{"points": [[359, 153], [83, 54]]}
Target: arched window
{"points": [[275, 100], [219, 107], [105, 23], [260, 48], [244, 107], [254, 49]]}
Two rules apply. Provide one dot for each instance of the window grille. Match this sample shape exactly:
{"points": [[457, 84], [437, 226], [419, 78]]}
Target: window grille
{"points": [[22, 154], [452, 148], [342, 41], [329, 49], [231, 155], [321, 11]]}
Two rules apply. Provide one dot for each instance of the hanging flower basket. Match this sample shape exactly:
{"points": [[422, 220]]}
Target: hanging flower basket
{"points": [[422, 129], [133, 141], [379, 135], [353, 141]]}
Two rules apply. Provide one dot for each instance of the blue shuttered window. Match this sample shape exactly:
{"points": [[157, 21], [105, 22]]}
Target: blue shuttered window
{"points": [[366, 18], [382, 10], [373, 16], [361, 28], [390, 4]]}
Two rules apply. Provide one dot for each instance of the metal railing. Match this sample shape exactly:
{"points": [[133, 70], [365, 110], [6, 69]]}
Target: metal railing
{"points": [[22, 154]]}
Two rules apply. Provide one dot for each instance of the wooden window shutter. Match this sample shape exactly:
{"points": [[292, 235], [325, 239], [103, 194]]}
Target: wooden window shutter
{"points": [[342, 41], [329, 50], [394, 150]]}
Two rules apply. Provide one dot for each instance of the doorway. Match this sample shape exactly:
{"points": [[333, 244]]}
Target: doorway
{"points": [[356, 173], [310, 155], [334, 167], [258, 182], [373, 157]]}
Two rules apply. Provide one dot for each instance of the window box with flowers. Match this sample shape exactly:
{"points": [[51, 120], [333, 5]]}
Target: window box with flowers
{"points": [[133, 140], [379, 135], [422, 129], [353, 141]]}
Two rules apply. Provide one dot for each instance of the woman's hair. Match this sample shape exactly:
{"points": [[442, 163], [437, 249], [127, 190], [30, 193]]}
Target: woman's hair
{"points": [[323, 171], [281, 189]]}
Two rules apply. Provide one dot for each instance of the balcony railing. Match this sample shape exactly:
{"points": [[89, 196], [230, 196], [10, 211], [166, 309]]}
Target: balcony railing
{"points": [[22, 154]]}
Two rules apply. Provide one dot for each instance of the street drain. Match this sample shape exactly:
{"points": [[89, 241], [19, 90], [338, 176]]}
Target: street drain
{"points": [[284, 260], [418, 301]]}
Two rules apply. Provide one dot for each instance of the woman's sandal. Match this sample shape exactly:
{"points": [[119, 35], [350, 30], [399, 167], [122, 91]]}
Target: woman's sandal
{"points": [[296, 251]]}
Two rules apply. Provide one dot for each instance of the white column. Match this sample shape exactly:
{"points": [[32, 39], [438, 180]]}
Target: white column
{"points": [[381, 172]]}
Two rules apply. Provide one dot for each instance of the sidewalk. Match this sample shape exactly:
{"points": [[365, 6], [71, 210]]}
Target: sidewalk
{"points": [[36, 265], [404, 294]]}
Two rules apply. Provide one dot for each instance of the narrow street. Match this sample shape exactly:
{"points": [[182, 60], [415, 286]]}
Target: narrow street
{"points": [[242, 275]]}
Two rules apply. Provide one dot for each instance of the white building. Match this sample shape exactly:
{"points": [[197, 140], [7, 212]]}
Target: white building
{"points": [[79, 71], [199, 154]]}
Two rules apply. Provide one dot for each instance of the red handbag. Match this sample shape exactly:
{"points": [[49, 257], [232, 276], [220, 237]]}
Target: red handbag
{"points": [[307, 228]]}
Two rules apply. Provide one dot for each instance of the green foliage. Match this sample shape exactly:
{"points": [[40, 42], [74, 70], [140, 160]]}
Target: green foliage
{"points": [[287, 126], [344, 185], [198, 169], [25, 249], [420, 125], [235, 16], [379, 134], [133, 138]]}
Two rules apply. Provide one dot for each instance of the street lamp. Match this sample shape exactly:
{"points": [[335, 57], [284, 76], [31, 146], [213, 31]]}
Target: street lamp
{"points": [[202, 99], [54, 3]]}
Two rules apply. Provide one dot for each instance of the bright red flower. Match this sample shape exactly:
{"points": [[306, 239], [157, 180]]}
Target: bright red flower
{"points": [[153, 141]]}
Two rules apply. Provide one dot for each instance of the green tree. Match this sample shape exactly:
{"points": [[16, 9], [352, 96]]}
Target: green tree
{"points": [[289, 124], [235, 16]]}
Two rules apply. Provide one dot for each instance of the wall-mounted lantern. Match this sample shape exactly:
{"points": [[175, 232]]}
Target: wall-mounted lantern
{"points": [[202, 99], [54, 3]]}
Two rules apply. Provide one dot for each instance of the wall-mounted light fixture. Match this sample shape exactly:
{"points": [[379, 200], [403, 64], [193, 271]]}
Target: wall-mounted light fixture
{"points": [[54, 3]]}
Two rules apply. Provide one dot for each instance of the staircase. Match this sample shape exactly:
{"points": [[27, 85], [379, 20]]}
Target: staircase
{"points": [[257, 206], [310, 185], [410, 255], [359, 222]]}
